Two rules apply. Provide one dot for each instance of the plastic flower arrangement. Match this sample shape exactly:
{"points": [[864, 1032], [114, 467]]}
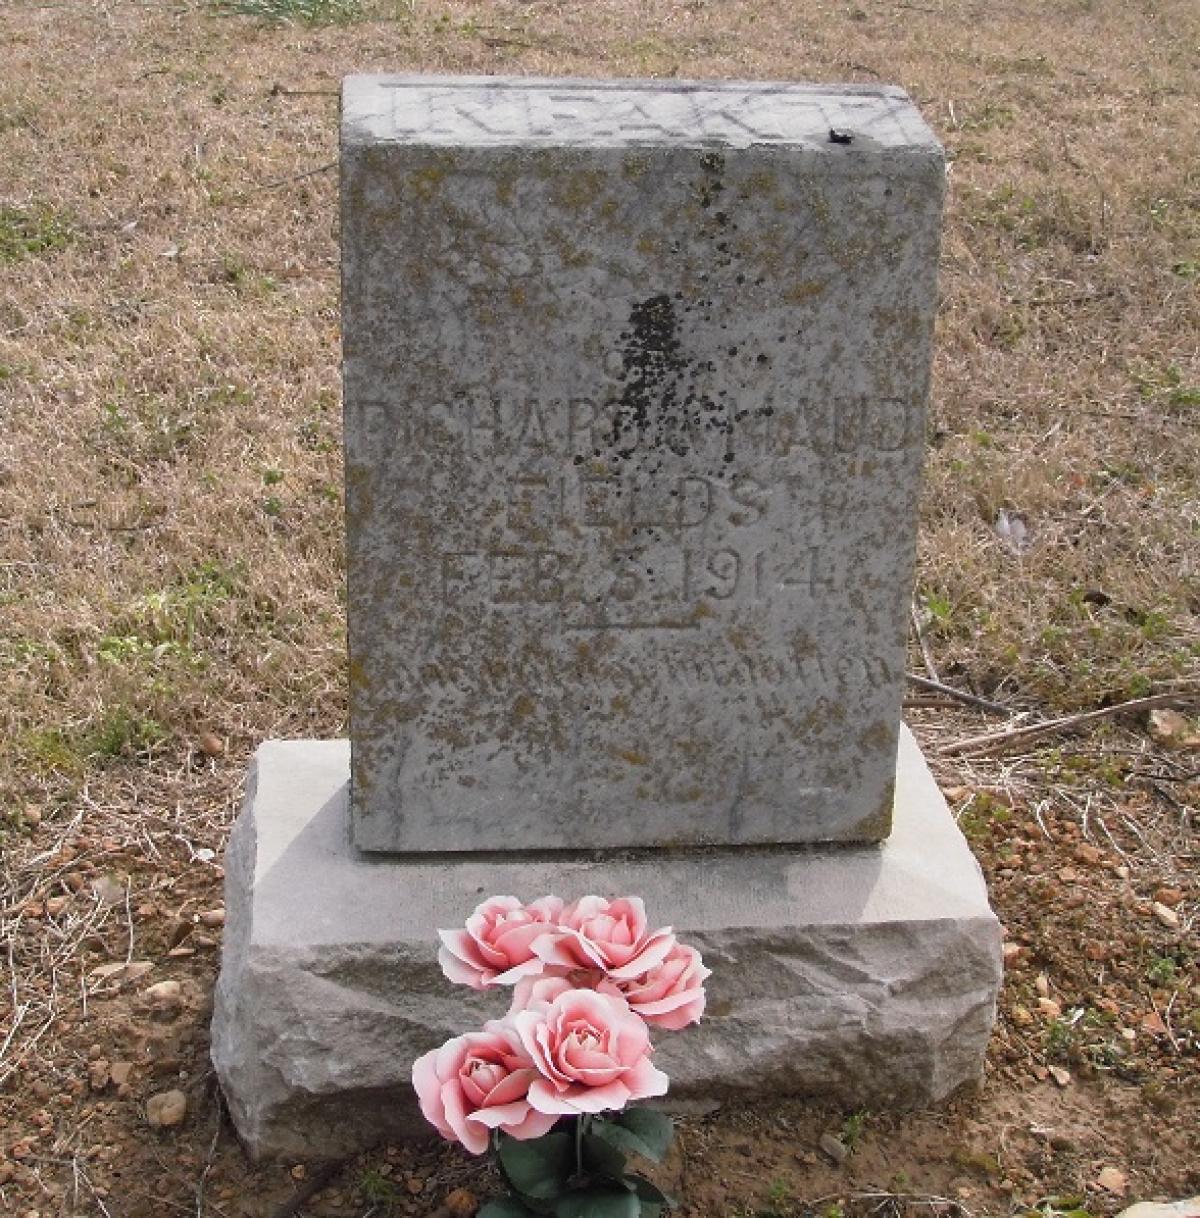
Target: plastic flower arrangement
{"points": [[547, 1089]]}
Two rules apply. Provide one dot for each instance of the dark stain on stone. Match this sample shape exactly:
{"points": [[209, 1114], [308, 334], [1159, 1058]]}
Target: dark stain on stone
{"points": [[653, 365], [710, 188]]}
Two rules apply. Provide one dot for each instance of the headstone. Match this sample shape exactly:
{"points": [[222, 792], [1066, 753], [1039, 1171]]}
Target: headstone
{"points": [[635, 378]]}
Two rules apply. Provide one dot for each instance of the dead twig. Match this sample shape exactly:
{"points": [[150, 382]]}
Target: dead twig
{"points": [[959, 695], [926, 654], [993, 742], [278, 90], [322, 1178], [202, 1183], [928, 1199], [298, 177], [1111, 840]]}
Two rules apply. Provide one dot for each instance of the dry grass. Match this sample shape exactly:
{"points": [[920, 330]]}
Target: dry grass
{"points": [[170, 483]]}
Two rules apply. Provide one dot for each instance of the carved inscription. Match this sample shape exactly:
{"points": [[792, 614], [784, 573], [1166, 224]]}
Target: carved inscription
{"points": [[554, 111], [828, 674], [581, 428], [610, 549]]}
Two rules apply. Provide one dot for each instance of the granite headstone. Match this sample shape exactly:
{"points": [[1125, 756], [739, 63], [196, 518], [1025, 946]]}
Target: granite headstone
{"points": [[635, 378]]}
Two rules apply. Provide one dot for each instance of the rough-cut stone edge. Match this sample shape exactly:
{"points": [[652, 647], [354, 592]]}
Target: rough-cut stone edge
{"points": [[865, 975]]}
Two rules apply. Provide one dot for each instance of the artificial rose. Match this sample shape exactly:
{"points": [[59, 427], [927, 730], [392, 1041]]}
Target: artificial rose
{"points": [[670, 995], [591, 1051], [476, 1083], [530, 990], [496, 948], [610, 936]]}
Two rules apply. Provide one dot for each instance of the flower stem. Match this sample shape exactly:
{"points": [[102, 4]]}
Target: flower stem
{"points": [[579, 1131]]}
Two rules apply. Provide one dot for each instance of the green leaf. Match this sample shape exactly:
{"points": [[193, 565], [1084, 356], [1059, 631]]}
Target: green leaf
{"points": [[650, 1210], [620, 1138], [505, 1207], [602, 1158], [649, 1192], [653, 1129], [639, 1131], [540, 1167], [606, 1202]]}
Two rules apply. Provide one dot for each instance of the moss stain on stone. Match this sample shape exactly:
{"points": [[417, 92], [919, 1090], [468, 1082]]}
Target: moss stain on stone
{"points": [[798, 293], [878, 824], [632, 756], [427, 181]]}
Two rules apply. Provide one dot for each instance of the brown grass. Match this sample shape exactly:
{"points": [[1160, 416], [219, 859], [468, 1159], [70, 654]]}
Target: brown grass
{"points": [[170, 483]]}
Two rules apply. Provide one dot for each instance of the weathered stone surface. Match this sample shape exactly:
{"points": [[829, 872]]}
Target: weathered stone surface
{"points": [[865, 975], [635, 378], [1189, 1208]]}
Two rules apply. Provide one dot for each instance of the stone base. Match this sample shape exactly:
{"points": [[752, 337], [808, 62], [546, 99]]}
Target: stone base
{"points": [[859, 975]]}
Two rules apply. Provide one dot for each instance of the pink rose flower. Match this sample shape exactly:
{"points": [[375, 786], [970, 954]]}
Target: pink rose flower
{"points": [[496, 948], [670, 995], [611, 936], [531, 990], [591, 1051], [476, 1083]]}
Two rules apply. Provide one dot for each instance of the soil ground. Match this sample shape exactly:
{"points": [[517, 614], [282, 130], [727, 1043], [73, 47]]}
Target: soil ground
{"points": [[170, 550]]}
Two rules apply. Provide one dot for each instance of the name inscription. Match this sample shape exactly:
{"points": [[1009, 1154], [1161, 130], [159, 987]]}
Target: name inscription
{"points": [[579, 428], [568, 516]]}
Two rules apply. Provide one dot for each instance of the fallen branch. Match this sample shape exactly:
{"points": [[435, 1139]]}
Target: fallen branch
{"points": [[959, 695], [993, 742]]}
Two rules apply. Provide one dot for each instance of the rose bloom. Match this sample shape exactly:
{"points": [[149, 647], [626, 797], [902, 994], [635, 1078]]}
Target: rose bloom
{"points": [[591, 1051], [496, 948], [611, 936], [670, 995], [476, 1083]]}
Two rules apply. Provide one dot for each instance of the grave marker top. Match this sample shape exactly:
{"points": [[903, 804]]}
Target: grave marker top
{"points": [[468, 110], [634, 384]]}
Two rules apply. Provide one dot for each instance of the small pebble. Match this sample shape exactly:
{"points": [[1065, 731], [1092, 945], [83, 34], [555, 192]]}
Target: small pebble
{"points": [[835, 1148], [461, 1203], [211, 745], [164, 995], [166, 1109]]}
